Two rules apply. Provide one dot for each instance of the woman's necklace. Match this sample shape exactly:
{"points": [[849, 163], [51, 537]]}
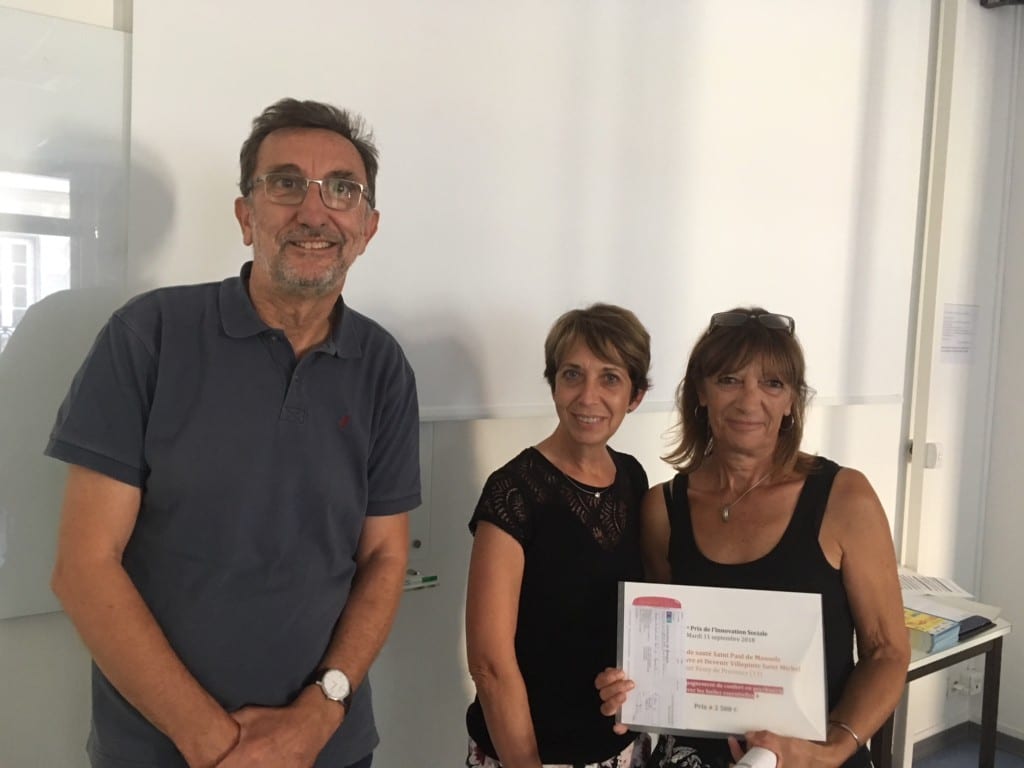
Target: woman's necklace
{"points": [[727, 508], [595, 492]]}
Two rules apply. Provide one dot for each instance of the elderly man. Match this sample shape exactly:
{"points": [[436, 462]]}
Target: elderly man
{"points": [[243, 455]]}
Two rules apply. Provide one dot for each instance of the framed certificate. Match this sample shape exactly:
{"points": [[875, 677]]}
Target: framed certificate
{"points": [[709, 661]]}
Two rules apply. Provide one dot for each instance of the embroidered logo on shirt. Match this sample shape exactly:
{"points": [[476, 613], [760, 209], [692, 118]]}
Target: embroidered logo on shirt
{"points": [[343, 421]]}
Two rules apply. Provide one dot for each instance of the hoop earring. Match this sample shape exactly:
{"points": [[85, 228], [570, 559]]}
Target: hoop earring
{"points": [[700, 413], [787, 426]]}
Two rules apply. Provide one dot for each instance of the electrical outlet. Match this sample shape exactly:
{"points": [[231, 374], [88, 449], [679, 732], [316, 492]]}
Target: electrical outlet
{"points": [[975, 679], [957, 682]]}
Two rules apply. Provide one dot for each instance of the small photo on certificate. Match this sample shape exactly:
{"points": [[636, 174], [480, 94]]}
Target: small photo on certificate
{"points": [[709, 661]]}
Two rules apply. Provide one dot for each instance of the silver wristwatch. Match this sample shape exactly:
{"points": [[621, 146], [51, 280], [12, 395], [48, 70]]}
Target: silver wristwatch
{"points": [[336, 687]]}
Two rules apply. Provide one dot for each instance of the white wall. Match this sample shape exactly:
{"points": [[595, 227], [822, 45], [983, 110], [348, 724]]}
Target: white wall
{"points": [[676, 158], [956, 504], [1001, 571], [102, 13]]}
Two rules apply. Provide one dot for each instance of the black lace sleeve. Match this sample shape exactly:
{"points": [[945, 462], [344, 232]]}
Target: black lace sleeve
{"points": [[638, 476], [502, 504]]}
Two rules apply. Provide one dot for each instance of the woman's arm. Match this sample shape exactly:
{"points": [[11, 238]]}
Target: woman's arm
{"points": [[492, 608], [873, 589], [654, 536], [855, 536]]}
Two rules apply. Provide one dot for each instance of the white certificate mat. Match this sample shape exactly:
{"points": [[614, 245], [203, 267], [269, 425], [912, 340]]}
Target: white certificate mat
{"points": [[712, 661]]}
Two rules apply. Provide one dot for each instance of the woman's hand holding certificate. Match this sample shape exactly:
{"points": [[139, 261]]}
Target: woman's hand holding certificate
{"points": [[713, 661]]}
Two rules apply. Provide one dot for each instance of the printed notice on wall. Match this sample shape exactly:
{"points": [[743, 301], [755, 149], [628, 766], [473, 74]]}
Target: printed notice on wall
{"points": [[711, 661], [959, 323]]}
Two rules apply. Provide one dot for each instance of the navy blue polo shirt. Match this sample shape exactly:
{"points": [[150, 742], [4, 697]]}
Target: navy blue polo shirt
{"points": [[257, 472]]}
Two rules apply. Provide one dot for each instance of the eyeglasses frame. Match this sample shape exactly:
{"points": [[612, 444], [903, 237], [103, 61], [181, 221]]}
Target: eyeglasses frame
{"points": [[363, 189]]}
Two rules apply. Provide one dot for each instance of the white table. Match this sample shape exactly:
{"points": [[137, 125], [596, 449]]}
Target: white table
{"points": [[890, 747]]}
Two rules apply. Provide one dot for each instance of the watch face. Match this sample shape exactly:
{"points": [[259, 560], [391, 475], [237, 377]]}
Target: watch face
{"points": [[335, 684]]}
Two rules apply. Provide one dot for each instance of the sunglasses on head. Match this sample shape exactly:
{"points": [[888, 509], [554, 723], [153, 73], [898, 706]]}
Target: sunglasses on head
{"points": [[767, 319]]}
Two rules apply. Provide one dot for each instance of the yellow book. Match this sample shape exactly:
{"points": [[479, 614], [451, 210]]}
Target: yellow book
{"points": [[930, 633]]}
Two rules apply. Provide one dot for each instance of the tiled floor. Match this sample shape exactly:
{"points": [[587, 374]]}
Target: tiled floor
{"points": [[965, 755]]}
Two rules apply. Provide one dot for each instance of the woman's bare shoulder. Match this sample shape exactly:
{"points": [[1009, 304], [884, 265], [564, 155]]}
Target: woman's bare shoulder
{"points": [[854, 511]]}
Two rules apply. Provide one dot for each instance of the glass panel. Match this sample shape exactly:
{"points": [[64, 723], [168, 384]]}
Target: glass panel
{"points": [[31, 195], [53, 267], [41, 264], [63, 162]]}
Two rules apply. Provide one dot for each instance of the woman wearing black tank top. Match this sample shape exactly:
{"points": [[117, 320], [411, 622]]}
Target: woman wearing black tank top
{"points": [[749, 509]]}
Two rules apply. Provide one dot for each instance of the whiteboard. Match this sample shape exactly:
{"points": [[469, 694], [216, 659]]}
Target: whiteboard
{"points": [[63, 87], [678, 158]]}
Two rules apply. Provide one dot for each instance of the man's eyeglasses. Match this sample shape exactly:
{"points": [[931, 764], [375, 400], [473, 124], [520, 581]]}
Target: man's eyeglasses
{"points": [[337, 192], [767, 319]]}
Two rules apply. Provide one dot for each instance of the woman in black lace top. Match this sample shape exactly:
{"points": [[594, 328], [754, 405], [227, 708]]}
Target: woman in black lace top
{"points": [[749, 509], [555, 530]]}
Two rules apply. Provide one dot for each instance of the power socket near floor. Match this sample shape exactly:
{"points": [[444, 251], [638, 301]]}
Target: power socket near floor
{"points": [[965, 680]]}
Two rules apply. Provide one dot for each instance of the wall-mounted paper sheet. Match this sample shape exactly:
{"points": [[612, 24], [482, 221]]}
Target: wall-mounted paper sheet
{"points": [[710, 661]]}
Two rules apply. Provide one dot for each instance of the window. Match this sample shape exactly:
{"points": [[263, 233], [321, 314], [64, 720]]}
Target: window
{"points": [[33, 263]]}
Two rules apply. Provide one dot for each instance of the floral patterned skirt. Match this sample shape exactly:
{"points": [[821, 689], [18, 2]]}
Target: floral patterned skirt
{"points": [[673, 752], [635, 755]]}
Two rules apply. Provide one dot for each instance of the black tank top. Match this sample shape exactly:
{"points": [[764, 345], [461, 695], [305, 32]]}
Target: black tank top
{"points": [[796, 564]]}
